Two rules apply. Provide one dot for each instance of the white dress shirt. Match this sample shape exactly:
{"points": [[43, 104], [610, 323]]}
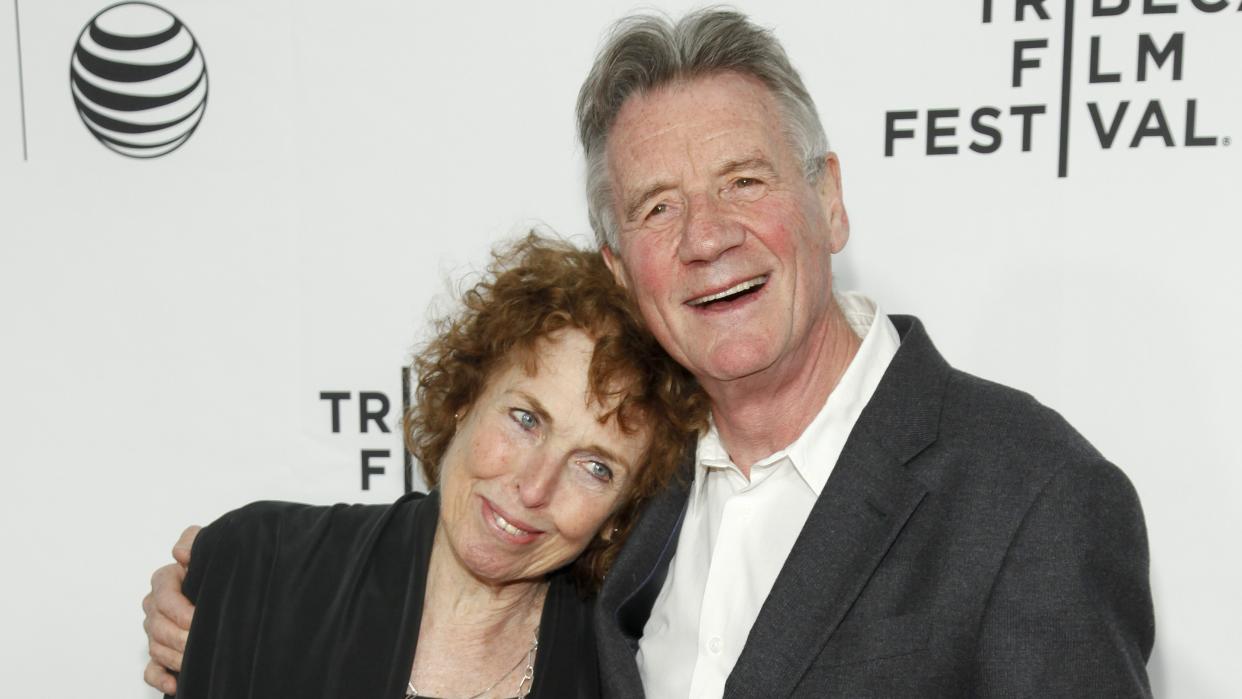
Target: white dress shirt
{"points": [[713, 594]]}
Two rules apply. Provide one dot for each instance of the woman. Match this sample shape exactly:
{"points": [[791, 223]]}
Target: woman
{"points": [[545, 415]]}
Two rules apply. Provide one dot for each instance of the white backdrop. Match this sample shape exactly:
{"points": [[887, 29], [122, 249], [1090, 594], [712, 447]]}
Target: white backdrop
{"points": [[169, 324]]}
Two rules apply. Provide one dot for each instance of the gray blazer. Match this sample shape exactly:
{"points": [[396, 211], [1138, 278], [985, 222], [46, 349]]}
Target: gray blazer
{"points": [[968, 543]]}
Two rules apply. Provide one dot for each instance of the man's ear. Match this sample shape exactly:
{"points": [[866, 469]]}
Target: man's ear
{"points": [[616, 266], [834, 204]]}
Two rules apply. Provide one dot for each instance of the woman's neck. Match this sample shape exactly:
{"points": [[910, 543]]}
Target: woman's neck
{"points": [[454, 595], [473, 633]]}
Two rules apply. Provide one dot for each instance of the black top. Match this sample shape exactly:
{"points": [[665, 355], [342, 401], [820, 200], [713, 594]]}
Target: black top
{"points": [[301, 601]]}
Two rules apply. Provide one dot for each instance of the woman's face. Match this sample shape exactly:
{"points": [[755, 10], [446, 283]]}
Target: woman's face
{"points": [[531, 474]]}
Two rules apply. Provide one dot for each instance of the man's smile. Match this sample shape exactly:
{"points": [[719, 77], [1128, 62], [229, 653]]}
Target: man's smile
{"points": [[731, 293]]}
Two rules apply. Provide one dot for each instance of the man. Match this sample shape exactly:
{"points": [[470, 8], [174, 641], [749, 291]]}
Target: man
{"points": [[862, 519]]}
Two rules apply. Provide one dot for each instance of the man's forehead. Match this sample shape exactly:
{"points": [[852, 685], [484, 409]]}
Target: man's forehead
{"points": [[670, 106], [710, 124]]}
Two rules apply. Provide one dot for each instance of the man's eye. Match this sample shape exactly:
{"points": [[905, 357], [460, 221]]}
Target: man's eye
{"points": [[599, 470], [657, 210], [745, 189], [524, 418]]}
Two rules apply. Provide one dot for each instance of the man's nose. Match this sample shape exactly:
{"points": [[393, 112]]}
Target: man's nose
{"points": [[708, 230], [537, 479]]}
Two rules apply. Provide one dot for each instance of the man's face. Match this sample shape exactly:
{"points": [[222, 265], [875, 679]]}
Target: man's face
{"points": [[722, 241]]}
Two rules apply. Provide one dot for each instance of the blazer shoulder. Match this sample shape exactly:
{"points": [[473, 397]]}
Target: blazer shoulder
{"points": [[976, 407], [1017, 439]]}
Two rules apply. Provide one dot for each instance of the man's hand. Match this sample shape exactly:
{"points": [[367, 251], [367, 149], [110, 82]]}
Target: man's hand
{"points": [[168, 617]]}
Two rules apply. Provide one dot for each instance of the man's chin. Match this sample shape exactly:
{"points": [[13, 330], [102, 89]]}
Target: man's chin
{"points": [[737, 360]]}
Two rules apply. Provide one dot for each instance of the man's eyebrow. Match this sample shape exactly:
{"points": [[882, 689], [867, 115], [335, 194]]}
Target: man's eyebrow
{"points": [[634, 203], [757, 162]]}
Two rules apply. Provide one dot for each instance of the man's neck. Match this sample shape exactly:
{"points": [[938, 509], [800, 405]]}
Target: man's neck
{"points": [[760, 414]]}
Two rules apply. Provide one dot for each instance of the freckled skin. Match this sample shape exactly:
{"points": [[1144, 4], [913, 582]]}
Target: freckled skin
{"points": [[710, 227], [540, 472]]}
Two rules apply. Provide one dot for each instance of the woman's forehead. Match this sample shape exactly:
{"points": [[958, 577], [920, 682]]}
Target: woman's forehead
{"points": [[607, 377], [556, 374]]}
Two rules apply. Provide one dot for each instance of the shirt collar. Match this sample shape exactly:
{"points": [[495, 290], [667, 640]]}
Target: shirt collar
{"points": [[814, 452]]}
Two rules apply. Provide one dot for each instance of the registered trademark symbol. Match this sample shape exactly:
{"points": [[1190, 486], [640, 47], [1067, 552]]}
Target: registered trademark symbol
{"points": [[1226, 141]]}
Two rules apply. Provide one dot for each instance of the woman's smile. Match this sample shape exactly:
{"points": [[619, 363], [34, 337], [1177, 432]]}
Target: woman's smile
{"points": [[508, 528]]}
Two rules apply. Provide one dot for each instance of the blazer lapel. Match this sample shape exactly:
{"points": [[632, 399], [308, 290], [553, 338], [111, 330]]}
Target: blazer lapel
{"points": [[631, 586], [866, 502]]}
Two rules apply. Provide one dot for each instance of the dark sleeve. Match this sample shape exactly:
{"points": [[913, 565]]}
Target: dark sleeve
{"points": [[230, 564], [568, 665], [1070, 613]]}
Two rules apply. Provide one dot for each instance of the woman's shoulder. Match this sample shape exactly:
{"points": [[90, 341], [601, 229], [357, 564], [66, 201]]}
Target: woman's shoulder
{"points": [[293, 517], [271, 580], [291, 526], [304, 534]]}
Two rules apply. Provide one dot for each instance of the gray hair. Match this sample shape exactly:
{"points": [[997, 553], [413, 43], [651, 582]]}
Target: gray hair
{"points": [[645, 52]]}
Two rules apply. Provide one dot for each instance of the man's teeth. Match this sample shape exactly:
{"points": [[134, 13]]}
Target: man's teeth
{"points": [[504, 524], [737, 289]]}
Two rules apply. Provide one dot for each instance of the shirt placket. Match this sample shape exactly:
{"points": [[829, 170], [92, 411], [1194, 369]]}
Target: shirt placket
{"points": [[721, 594]]}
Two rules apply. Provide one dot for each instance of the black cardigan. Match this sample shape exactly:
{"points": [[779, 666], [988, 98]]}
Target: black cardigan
{"points": [[301, 601]]}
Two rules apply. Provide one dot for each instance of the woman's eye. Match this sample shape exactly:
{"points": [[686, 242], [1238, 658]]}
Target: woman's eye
{"points": [[746, 181], [599, 470], [524, 418], [657, 210]]}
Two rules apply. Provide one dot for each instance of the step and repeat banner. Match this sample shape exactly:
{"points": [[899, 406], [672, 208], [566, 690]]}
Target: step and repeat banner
{"points": [[226, 224]]}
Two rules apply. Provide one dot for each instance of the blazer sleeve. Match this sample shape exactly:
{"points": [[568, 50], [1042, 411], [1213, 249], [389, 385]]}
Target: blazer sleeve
{"points": [[1070, 613]]}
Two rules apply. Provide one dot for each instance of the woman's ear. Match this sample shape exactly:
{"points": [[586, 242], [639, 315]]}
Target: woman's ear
{"points": [[608, 531]]}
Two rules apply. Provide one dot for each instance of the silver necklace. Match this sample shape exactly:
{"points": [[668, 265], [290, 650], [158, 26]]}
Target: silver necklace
{"points": [[524, 685]]}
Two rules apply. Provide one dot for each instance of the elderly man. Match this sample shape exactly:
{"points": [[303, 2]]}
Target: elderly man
{"points": [[861, 519]]}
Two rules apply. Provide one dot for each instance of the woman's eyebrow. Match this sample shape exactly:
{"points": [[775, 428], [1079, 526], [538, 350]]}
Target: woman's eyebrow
{"points": [[609, 456], [535, 407]]}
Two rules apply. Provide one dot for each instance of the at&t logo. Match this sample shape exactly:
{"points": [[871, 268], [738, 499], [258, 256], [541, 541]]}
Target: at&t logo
{"points": [[138, 80]]}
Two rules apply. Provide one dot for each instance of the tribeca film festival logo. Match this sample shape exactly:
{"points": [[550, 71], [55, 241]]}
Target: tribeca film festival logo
{"points": [[138, 80], [371, 409], [1111, 124]]}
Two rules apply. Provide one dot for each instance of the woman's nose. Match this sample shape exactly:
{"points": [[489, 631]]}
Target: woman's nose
{"points": [[536, 481]]}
